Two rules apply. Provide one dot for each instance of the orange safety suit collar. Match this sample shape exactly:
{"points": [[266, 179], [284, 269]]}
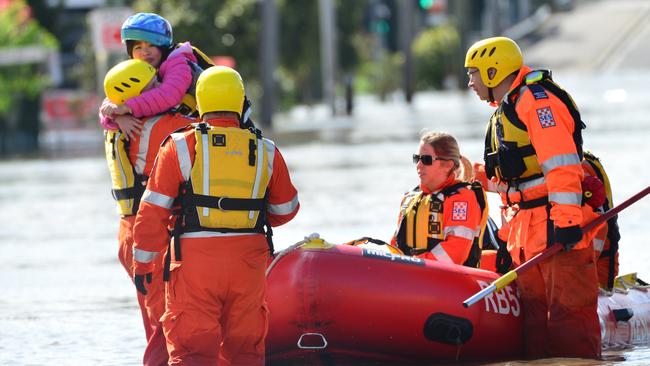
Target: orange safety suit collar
{"points": [[451, 180], [520, 78], [223, 122]]}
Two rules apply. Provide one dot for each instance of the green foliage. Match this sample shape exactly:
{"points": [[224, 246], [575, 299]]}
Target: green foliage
{"points": [[17, 29], [233, 28], [219, 28], [382, 76], [435, 56]]}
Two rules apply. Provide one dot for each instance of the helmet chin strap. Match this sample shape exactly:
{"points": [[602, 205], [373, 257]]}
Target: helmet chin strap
{"points": [[491, 96]]}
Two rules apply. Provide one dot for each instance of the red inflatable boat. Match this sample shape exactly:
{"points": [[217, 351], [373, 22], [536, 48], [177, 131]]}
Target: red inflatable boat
{"points": [[339, 304]]}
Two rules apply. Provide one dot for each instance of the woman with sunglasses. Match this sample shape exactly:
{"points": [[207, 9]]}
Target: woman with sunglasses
{"points": [[443, 217]]}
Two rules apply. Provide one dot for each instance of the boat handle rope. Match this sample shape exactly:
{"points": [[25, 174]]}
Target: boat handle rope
{"points": [[322, 337], [288, 250]]}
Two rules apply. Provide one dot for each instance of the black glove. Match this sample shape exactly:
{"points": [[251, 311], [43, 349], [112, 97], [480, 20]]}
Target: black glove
{"points": [[139, 282], [568, 236]]}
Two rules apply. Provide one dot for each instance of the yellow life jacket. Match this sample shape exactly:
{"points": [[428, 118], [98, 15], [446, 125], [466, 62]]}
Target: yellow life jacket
{"points": [[509, 154], [422, 217], [126, 184], [187, 106], [228, 181]]}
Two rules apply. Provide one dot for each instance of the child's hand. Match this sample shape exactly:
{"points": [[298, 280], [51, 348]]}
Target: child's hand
{"points": [[129, 125], [111, 109]]}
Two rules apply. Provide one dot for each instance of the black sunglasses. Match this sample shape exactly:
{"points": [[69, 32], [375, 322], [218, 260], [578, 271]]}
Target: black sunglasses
{"points": [[426, 159]]}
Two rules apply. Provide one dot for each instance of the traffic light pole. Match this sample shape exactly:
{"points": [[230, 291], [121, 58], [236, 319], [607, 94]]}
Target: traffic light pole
{"points": [[405, 30]]}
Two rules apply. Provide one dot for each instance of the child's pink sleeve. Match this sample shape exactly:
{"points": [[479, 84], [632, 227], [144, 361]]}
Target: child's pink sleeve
{"points": [[176, 77], [107, 122]]}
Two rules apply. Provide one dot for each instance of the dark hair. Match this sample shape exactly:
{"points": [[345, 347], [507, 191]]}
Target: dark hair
{"points": [[165, 51]]}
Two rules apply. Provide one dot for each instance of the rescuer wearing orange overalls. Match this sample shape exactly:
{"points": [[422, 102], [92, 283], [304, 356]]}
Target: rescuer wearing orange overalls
{"points": [[232, 186], [130, 162], [442, 218], [533, 153]]}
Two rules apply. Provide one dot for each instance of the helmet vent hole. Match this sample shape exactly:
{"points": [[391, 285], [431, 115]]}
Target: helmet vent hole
{"points": [[483, 52], [125, 85], [474, 54], [119, 90], [135, 80], [492, 51]]}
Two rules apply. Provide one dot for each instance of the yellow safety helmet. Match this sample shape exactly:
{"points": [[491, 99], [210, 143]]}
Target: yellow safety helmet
{"points": [[220, 89], [127, 79], [499, 53]]}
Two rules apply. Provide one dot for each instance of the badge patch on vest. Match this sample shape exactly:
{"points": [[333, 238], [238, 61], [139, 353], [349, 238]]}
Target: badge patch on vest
{"points": [[459, 212], [545, 117], [538, 92], [218, 140]]}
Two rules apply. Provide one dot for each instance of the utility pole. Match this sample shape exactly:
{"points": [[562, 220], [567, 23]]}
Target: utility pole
{"points": [[461, 11], [268, 58], [327, 20], [405, 30]]}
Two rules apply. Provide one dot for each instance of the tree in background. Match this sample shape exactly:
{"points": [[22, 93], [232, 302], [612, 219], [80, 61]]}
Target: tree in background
{"points": [[232, 28], [20, 84], [434, 56]]}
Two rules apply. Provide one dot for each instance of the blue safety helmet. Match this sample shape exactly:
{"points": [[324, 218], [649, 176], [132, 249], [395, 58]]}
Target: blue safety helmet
{"points": [[148, 27]]}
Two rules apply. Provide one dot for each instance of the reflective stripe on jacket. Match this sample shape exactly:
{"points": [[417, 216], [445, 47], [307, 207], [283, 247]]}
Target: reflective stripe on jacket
{"points": [[130, 162], [168, 176], [535, 150]]}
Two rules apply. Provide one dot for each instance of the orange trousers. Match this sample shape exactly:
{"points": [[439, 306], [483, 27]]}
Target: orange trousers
{"points": [[216, 313], [559, 295], [603, 269], [152, 306]]}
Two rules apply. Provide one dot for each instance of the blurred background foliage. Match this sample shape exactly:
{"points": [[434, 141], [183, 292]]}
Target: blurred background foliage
{"points": [[435, 57], [232, 28], [367, 55], [18, 29]]}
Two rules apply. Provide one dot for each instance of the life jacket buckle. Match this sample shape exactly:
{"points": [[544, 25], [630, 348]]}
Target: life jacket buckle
{"points": [[219, 204]]}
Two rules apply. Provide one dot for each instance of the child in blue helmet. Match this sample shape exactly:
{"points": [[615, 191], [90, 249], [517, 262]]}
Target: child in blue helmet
{"points": [[148, 37]]}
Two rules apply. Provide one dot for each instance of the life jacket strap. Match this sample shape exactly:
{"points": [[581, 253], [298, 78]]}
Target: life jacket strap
{"points": [[223, 203], [538, 202], [135, 193]]}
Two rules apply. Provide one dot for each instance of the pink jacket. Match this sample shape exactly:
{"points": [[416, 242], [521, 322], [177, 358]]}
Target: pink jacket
{"points": [[176, 77]]}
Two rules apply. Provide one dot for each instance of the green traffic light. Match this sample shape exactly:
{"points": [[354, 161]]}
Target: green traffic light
{"points": [[382, 27], [426, 4]]}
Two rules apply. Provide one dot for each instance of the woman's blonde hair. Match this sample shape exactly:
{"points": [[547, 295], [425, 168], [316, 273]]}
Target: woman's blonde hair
{"points": [[445, 147], [466, 171]]}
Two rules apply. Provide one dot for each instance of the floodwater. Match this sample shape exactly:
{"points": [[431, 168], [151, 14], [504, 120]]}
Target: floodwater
{"points": [[66, 300]]}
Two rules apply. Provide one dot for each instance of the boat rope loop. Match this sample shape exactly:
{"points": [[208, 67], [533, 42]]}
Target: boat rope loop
{"points": [[278, 256]]}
